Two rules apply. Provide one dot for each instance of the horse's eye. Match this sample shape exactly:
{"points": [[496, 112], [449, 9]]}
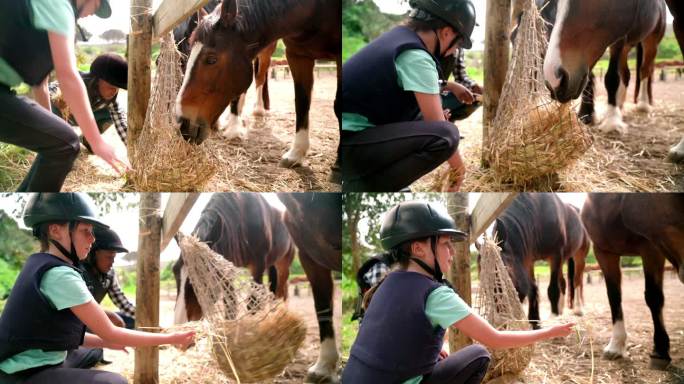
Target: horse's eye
{"points": [[210, 60]]}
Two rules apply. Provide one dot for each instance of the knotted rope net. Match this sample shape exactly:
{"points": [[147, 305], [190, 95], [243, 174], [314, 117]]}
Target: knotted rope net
{"points": [[162, 160], [532, 136], [498, 303], [253, 335]]}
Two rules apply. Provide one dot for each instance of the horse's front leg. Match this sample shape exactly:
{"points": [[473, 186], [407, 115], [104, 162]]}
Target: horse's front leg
{"points": [[587, 113], [610, 266], [617, 89], [654, 268], [232, 125], [325, 368], [302, 75]]}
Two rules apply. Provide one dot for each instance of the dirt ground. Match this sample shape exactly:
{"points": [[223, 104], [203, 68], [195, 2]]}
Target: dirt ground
{"points": [[634, 162], [569, 360], [194, 366], [250, 164]]}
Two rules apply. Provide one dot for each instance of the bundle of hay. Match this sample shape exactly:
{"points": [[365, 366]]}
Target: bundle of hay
{"points": [[499, 304], [161, 159], [253, 335], [532, 136]]}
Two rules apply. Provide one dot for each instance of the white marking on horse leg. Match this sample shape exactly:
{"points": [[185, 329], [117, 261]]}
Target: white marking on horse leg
{"points": [[676, 155], [616, 347], [326, 365], [196, 48], [577, 303], [621, 95], [180, 315], [553, 59], [232, 125], [298, 150], [612, 121], [643, 105], [259, 103]]}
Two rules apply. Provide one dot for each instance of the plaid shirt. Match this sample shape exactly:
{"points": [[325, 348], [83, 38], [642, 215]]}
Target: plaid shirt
{"points": [[460, 75], [117, 296], [376, 273], [96, 103]]}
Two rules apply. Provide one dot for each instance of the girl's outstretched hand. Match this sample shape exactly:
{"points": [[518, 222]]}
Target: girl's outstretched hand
{"points": [[560, 330]]}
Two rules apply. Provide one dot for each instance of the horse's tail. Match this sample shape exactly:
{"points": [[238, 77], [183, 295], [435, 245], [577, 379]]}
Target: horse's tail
{"points": [[272, 278], [571, 280], [639, 63]]}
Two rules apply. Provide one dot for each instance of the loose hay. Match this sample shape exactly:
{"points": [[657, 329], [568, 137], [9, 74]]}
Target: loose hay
{"points": [[253, 335], [161, 159], [498, 303], [532, 136]]}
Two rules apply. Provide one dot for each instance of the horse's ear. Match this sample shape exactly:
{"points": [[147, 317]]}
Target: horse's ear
{"points": [[202, 13], [228, 12]]}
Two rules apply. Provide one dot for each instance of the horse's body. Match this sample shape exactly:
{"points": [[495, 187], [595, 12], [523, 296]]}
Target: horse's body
{"points": [[224, 44], [644, 224], [232, 126], [582, 31], [539, 226], [315, 224], [247, 231], [676, 154]]}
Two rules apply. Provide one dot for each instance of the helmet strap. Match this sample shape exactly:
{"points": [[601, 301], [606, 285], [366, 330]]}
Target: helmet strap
{"points": [[72, 253], [438, 48], [435, 272]]}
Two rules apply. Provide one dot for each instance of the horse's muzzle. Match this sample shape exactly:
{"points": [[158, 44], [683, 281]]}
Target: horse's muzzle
{"points": [[193, 132]]}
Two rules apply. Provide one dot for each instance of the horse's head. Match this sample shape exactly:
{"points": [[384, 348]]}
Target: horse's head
{"points": [[187, 306], [219, 69], [582, 32]]}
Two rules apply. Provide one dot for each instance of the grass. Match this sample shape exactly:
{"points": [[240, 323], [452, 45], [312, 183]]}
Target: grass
{"points": [[14, 161]]}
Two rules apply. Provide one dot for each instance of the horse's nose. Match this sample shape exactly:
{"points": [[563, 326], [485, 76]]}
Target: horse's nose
{"points": [[187, 130], [561, 92]]}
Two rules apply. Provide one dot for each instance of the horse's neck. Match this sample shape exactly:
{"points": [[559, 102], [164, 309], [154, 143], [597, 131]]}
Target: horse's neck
{"points": [[279, 26]]}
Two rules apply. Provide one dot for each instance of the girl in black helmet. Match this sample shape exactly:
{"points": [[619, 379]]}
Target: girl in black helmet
{"points": [[388, 84], [37, 36], [108, 73], [50, 306], [401, 337]]}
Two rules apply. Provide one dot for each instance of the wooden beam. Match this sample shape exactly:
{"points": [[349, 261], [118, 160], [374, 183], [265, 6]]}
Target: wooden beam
{"points": [[177, 208], [171, 12], [139, 78], [488, 207], [495, 64], [459, 273], [147, 282]]}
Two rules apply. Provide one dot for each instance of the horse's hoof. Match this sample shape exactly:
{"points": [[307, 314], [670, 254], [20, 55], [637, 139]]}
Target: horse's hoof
{"points": [[675, 156], [644, 108], [239, 134], [608, 126], [612, 355], [286, 162], [259, 112], [589, 119], [315, 378], [659, 364], [578, 312]]}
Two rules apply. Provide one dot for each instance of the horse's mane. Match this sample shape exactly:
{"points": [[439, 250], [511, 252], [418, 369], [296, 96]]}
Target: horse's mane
{"points": [[252, 16], [222, 225]]}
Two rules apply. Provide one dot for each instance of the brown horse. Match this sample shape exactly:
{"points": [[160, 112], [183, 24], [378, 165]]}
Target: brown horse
{"points": [[539, 226], [225, 43], [315, 223], [583, 30], [247, 231], [650, 225], [676, 154]]}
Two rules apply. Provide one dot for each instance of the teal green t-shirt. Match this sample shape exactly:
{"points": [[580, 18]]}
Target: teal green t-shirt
{"points": [[416, 72], [64, 288], [51, 15], [443, 308]]}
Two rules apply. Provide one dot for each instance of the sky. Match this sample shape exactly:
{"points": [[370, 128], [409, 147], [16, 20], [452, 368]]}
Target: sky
{"points": [[124, 221]]}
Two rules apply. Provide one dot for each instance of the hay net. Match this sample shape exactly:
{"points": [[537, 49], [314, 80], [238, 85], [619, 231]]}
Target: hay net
{"points": [[162, 160], [253, 335], [532, 135], [498, 303]]}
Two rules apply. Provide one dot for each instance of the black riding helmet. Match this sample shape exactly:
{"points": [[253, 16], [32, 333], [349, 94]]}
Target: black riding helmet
{"points": [[111, 68], [459, 14], [105, 239], [60, 207], [414, 220]]}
